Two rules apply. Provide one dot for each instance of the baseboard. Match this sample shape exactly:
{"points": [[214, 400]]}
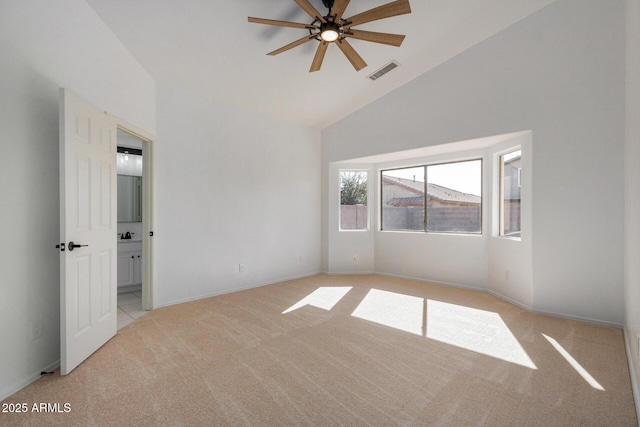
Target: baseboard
{"points": [[348, 273], [497, 295], [489, 291], [632, 373], [433, 282], [231, 290], [512, 301], [14, 388], [579, 319], [552, 314]]}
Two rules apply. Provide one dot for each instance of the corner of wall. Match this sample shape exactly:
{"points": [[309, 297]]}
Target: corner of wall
{"points": [[632, 193]]}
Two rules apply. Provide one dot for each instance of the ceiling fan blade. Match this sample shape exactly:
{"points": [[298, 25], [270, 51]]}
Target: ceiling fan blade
{"points": [[311, 11], [339, 7], [319, 57], [281, 23], [370, 36], [395, 8], [353, 57], [291, 45]]}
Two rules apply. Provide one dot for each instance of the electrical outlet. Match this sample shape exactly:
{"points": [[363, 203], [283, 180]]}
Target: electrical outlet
{"points": [[354, 256], [242, 268], [37, 329]]}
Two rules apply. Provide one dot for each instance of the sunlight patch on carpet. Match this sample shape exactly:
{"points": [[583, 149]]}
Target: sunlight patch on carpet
{"points": [[472, 329], [574, 364], [399, 311], [476, 330], [325, 298]]}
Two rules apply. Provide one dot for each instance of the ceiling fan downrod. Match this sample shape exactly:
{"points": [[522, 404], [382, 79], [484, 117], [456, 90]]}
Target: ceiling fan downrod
{"points": [[329, 31], [328, 4]]}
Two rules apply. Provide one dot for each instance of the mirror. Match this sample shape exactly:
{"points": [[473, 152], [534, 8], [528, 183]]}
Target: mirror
{"points": [[129, 198]]}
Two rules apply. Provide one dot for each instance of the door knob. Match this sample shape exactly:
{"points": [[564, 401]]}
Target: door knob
{"points": [[72, 246]]}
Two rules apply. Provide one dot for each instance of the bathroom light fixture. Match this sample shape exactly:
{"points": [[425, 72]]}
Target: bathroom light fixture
{"points": [[129, 150]]}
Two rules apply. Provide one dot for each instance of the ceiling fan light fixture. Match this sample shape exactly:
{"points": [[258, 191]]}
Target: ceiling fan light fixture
{"points": [[330, 32]]}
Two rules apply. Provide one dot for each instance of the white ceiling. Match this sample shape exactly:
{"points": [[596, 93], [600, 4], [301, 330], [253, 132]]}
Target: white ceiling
{"points": [[209, 48]]}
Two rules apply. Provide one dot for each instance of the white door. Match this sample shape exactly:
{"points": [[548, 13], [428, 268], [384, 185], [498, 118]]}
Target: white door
{"points": [[88, 228]]}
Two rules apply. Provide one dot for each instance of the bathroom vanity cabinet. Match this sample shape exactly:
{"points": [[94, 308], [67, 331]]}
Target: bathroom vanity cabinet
{"points": [[129, 263]]}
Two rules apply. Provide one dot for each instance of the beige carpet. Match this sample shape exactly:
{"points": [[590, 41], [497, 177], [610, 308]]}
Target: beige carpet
{"points": [[345, 350]]}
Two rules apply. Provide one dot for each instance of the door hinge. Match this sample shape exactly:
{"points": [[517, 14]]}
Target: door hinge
{"points": [[151, 234]]}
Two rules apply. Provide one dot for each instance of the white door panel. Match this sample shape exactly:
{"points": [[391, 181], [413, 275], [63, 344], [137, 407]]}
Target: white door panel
{"points": [[88, 297]]}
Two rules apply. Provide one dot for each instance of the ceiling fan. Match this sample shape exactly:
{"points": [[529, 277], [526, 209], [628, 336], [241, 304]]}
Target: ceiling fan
{"points": [[333, 28]]}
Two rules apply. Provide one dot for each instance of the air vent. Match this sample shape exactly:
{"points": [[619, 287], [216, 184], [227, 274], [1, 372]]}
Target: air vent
{"points": [[384, 70]]}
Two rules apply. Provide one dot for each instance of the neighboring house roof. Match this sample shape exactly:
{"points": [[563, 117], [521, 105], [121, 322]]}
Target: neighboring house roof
{"points": [[515, 159], [434, 191], [447, 194], [409, 184]]}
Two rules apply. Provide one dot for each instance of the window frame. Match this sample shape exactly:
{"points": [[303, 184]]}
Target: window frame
{"points": [[425, 207], [500, 179], [367, 206]]}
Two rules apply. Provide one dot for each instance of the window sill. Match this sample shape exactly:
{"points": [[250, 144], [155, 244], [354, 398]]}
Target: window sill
{"points": [[508, 238], [436, 233]]}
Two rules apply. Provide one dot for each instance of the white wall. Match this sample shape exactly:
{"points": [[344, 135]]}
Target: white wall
{"points": [[45, 45], [560, 74], [233, 187], [632, 223]]}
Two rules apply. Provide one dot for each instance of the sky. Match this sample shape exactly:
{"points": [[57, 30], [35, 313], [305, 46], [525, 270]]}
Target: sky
{"points": [[461, 176]]}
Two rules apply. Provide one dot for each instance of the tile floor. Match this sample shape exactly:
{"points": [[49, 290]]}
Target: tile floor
{"points": [[129, 308]]}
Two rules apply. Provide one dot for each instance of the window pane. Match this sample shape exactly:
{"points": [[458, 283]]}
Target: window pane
{"points": [[454, 197], [403, 199], [353, 200], [510, 170]]}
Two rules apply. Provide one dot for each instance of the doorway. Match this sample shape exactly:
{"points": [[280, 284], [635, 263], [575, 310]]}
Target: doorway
{"points": [[135, 291]]}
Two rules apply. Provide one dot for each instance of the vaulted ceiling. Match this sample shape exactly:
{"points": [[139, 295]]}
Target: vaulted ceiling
{"points": [[209, 48]]}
